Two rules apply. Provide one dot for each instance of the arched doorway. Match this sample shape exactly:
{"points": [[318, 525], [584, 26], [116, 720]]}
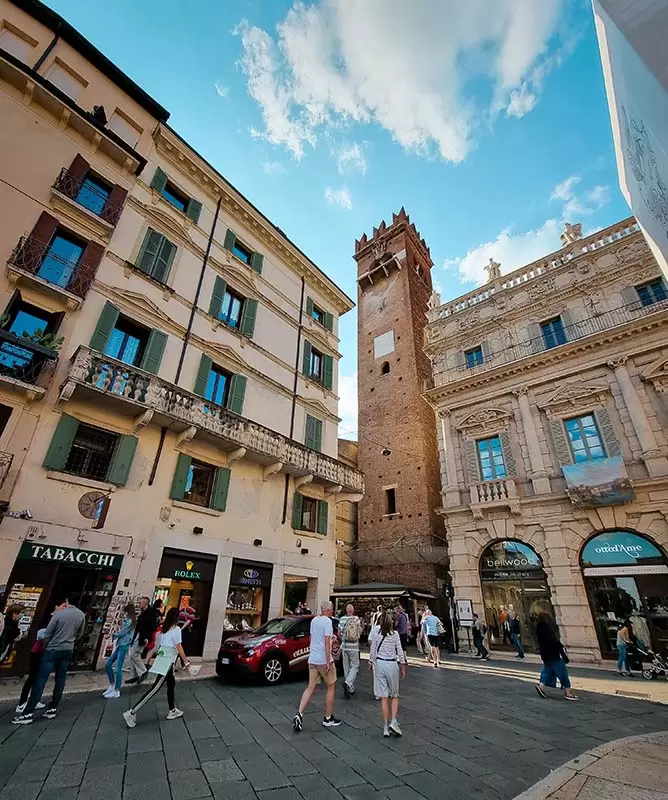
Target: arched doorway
{"points": [[626, 577], [513, 579]]}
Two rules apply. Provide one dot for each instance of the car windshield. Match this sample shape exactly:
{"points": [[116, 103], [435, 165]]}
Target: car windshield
{"points": [[275, 626]]}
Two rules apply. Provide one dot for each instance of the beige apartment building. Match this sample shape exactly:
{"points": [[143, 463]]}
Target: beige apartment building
{"points": [[168, 362], [550, 387]]}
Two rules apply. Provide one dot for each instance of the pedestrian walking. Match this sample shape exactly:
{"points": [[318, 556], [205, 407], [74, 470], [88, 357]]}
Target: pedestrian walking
{"points": [[479, 633], [624, 643], [122, 640], [554, 658], [430, 626], [187, 618], [36, 653], [320, 668], [65, 627], [403, 626], [350, 627], [387, 661], [515, 633], [145, 627], [163, 669], [11, 633]]}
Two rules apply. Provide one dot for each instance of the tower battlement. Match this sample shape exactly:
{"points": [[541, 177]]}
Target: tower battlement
{"points": [[401, 219]]}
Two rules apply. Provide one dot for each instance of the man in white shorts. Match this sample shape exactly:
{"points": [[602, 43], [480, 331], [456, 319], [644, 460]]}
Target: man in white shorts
{"points": [[320, 668]]}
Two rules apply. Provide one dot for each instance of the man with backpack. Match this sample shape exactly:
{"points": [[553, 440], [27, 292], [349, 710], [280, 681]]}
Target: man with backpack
{"points": [[479, 633], [351, 630]]}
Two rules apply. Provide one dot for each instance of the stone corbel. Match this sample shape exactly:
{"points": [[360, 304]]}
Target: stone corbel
{"points": [[96, 141], [185, 436], [28, 92], [65, 116], [142, 420], [66, 391], [271, 469], [236, 455], [302, 481]]}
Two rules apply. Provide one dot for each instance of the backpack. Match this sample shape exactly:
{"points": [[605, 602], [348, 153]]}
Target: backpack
{"points": [[483, 629], [351, 630]]}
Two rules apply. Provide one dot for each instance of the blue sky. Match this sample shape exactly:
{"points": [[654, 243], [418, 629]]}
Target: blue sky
{"points": [[486, 120]]}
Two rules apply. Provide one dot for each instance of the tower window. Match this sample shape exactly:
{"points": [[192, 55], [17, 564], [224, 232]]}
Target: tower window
{"points": [[390, 501], [385, 368]]}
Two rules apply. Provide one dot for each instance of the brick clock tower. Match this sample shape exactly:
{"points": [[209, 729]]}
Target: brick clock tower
{"points": [[401, 539]]}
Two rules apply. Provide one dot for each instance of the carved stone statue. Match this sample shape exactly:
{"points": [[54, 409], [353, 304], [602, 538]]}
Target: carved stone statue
{"points": [[434, 300], [493, 270], [571, 233]]}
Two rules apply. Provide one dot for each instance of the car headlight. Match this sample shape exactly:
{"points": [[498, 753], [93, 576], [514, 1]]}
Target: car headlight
{"points": [[249, 653]]}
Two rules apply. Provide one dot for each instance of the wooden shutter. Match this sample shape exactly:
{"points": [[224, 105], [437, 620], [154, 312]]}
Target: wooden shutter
{"points": [[329, 321], [61, 443], [163, 263], [77, 170], [248, 315], [86, 269], [460, 360], [148, 252], [536, 343], [569, 326], [323, 513], [31, 255], [237, 393], [193, 210], [607, 431], [202, 378], [230, 240], [309, 307], [328, 372], [121, 462], [155, 347], [562, 448], [114, 205], [217, 296], [180, 479], [221, 487], [159, 180], [472, 464], [486, 352], [508, 455], [630, 298], [313, 433], [105, 325], [297, 511], [306, 361], [256, 262]]}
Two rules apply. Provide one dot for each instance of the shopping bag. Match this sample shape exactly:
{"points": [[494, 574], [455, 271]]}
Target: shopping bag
{"points": [[163, 661]]}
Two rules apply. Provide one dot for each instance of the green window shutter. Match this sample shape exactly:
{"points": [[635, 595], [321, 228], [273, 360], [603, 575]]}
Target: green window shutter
{"points": [[193, 210], [313, 436], [159, 180], [560, 439], [472, 464], [216, 304], [306, 365], [180, 480], [329, 321], [105, 325], [317, 439], [328, 372], [607, 431], [155, 347], [121, 462], [205, 365], [309, 307], [323, 513], [256, 262], [297, 512], [61, 443], [221, 487], [164, 261], [235, 399], [230, 240], [248, 315], [149, 250]]}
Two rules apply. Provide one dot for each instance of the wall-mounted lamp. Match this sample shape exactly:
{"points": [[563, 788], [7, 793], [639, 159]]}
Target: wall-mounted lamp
{"points": [[199, 531], [257, 542], [304, 551]]}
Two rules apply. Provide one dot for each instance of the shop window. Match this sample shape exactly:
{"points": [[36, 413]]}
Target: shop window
{"points": [[317, 366], [313, 433], [490, 459], [584, 438], [200, 484], [244, 253], [652, 292], [309, 514], [173, 195], [232, 308], [156, 256], [553, 332], [390, 501]]}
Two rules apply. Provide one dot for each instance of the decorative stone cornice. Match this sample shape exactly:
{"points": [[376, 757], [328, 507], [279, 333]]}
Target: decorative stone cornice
{"points": [[657, 375], [486, 421], [616, 363], [574, 397]]}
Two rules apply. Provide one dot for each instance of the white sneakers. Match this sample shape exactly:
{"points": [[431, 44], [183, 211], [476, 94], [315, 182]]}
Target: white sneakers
{"points": [[130, 718], [21, 707], [174, 713], [111, 693]]}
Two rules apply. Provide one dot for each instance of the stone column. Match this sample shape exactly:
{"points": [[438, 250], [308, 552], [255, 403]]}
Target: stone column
{"points": [[450, 489], [541, 483], [656, 463]]}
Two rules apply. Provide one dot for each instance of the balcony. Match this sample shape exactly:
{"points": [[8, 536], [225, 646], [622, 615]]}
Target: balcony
{"points": [[32, 261], [152, 399], [92, 201], [499, 493], [25, 365]]}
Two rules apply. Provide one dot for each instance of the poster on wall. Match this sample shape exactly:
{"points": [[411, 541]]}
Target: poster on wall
{"points": [[28, 597], [465, 613], [598, 483]]}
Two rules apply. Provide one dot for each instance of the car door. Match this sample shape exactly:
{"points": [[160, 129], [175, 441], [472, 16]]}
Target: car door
{"points": [[298, 642]]}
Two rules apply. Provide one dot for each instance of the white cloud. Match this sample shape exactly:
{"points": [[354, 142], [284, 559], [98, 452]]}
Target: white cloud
{"points": [[348, 406], [222, 91], [273, 167], [408, 67], [598, 196], [350, 158], [339, 197], [566, 189]]}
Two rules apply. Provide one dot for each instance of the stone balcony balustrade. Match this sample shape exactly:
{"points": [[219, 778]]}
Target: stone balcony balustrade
{"points": [[495, 493]]}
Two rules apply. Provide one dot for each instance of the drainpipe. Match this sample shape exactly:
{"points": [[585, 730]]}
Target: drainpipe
{"points": [[46, 52], [293, 411]]}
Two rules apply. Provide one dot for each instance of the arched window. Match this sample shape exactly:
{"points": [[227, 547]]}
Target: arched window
{"points": [[385, 368]]}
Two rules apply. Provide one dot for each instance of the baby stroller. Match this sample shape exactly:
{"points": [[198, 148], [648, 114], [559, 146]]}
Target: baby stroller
{"points": [[658, 665]]}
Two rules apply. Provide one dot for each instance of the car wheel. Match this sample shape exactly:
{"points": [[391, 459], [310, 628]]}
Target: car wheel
{"points": [[648, 674], [272, 670]]}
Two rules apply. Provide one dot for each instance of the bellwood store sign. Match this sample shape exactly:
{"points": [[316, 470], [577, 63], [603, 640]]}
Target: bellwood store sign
{"points": [[87, 559]]}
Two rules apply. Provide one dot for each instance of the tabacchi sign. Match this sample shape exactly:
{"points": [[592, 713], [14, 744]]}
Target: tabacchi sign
{"points": [[90, 559]]}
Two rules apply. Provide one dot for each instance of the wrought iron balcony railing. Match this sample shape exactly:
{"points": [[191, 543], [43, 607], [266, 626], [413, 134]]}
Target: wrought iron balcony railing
{"points": [[88, 195], [35, 256], [112, 377], [25, 361]]}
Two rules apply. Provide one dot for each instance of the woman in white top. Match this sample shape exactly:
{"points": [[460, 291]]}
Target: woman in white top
{"points": [[163, 668], [388, 662]]}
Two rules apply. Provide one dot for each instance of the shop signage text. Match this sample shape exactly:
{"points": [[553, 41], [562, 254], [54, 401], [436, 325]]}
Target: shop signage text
{"points": [[619, 548], [66, 555], [250, 577], [248, 574], [189, 573], [510, 563]]}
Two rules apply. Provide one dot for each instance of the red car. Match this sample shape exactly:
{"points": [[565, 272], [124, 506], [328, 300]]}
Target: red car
{"points": [[280, 646]]}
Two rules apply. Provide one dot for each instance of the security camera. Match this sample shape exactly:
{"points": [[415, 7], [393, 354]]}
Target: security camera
{"points": [[386, 452], [172, 525], [27, 514]]}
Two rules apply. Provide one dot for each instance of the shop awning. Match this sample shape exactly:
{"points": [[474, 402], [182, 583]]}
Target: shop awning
{"points": [[403, 551], [380, 590]]}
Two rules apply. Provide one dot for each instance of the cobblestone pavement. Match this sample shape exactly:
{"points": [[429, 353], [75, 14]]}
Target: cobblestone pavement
{"points": [[467, 732]]}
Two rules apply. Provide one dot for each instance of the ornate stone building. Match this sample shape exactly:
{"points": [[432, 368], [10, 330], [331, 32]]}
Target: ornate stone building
{"points": [[552, 416]]}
